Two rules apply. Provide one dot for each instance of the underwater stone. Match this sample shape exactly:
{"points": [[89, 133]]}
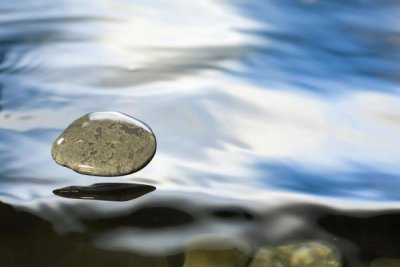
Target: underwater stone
{"points": [[266, 257], [214, 253], [309, 254], [105, 144], [105, 191]]}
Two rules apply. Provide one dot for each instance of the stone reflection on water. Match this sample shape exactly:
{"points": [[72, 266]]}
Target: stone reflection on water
{"points": [[105, 191], [277, 124]]}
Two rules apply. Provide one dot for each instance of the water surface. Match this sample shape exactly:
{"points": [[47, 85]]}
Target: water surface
{"points": [[276, 121]]}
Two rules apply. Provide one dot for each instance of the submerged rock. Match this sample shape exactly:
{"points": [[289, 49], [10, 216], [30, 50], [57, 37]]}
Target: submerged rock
{"points": [[105, 144], [385, 262], [310, 254], [105, 191], [214, 253]]}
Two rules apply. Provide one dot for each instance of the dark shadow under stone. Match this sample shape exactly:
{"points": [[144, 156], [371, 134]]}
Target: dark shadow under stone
{"points": [[105, 191]]}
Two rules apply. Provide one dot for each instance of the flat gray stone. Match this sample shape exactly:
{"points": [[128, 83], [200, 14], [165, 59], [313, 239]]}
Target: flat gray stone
{"points": [[105, 144]]}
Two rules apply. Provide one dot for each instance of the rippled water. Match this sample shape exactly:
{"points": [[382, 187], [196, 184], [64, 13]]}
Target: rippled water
{"points": [[276, 121]]}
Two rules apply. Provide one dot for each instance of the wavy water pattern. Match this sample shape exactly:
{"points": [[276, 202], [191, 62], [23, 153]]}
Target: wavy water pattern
{"points": [[256, 106]]}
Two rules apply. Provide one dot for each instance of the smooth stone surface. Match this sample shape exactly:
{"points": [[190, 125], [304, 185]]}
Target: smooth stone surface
{"points": [[105, 144], [105, 191], [385, 262], [214, 253], [309, 254]]}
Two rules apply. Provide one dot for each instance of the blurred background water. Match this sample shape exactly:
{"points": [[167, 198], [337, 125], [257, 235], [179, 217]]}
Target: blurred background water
{"points": [[275, 120]]}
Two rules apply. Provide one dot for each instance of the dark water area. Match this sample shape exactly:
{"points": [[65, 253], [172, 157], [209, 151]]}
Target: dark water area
{"points": [[277, 122]]}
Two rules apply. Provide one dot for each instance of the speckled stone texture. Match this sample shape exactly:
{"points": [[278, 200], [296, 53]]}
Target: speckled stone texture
{"points": [[308, 254], [105, 144]]}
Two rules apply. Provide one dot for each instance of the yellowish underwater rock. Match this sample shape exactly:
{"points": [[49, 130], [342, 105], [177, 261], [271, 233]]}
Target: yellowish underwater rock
{"points": [[214, 253], [309, 254]]}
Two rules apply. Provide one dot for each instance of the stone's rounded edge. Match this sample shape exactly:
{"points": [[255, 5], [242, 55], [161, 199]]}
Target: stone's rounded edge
{"points": [[119, 116], [103, 174], [55, 143], [89, 171], [55, 153], [150, 157], [78, 121]]}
